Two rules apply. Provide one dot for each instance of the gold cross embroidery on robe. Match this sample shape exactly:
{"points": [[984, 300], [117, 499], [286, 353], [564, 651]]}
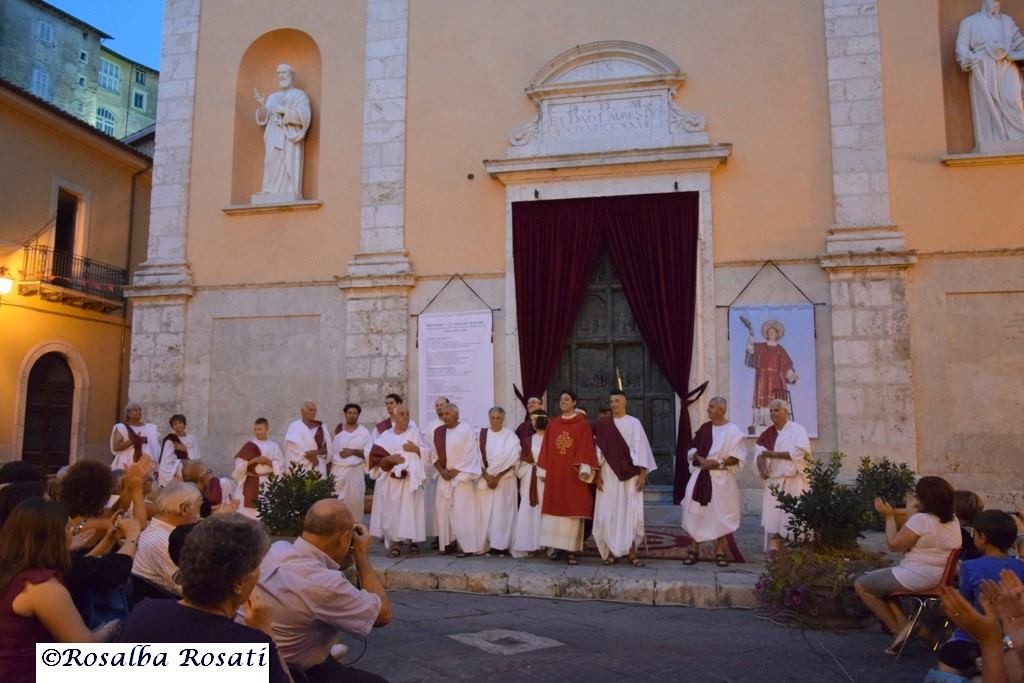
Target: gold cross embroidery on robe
{"points": [[563, 442]]}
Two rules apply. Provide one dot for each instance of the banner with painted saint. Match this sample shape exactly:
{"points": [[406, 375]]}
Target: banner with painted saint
{"points": [[772, 356]]}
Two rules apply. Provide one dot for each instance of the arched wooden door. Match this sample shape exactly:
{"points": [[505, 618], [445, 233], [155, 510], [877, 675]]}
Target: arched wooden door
{"points": [[48, 405]]}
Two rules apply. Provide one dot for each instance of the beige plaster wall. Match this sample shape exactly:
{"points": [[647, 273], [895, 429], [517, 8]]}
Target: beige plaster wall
{"points": [[766, 94], [939, 208], [967, 322], [35, 156], [284, 246]]}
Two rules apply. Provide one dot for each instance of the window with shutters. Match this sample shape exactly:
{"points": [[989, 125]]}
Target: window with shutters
{"points": [[110, 76], [40, 86], [105, 120]]}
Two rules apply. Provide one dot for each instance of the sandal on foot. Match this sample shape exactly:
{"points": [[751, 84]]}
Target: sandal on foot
{"points": [[414, 550], [691, 558], [721, 561], [636, 561], [571, 560], [394, 552], [608, 561]]}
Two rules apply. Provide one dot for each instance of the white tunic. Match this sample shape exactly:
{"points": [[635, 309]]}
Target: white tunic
{"points": [[619, 507], [300, 439], [268, 449], [430, 488], [457, 516], [722, 515], [350, 471], [170, 464], [789, 475], [526, 538], [397, 513], [125, 457], [497, 506]]}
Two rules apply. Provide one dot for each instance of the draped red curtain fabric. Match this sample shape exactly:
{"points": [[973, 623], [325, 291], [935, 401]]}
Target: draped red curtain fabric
{"points": [[554, 244], [653, 244]]}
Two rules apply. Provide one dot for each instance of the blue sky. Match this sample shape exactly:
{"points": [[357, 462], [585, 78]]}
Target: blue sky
{"points": [[136, 25]]}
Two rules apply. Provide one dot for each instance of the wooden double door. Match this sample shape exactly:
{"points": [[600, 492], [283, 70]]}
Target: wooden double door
{"points": [[48, 406], [605, 338]]}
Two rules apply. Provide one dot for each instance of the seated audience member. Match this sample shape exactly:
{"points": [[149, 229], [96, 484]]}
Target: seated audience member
{"points": [[19, 472], [100, 568], [926, 539], [14, 493], [311, 600], [177, 504], [997, 627], [35, 607], [215, 497], [220, 563], [994, 533], [967, 506]]}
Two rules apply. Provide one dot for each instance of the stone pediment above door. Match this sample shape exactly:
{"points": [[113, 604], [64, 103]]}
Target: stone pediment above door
{"points": [[611, 99]]}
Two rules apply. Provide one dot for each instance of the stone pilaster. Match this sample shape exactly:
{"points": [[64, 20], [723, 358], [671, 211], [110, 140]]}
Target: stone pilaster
{"points": [[162, 285], [871, 351], [380, 275], [865, 255]]}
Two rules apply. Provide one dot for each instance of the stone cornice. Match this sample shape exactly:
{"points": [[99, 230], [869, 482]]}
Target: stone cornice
{"points": [[642, 161], [973, 159], [877, 260], [161, 279]]}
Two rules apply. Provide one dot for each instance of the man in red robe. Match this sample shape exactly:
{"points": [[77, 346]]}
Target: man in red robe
{"points": [[569, 459], [773, 370]]}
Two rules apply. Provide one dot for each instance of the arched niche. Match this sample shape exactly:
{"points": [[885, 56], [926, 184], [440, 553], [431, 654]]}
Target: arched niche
{"points": [[257, 70]]}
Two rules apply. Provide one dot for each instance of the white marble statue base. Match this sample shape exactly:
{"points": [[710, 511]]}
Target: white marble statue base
{"points": [[275, 198]]}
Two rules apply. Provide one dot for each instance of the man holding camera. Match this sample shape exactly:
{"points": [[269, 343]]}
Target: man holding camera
{"points": [[310, 598]]}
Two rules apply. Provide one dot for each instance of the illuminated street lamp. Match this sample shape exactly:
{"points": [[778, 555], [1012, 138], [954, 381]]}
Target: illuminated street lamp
{"points": [[6, 282]]}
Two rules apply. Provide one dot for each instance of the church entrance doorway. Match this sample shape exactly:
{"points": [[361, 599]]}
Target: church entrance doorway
{"points": [[606, 344], [48, 406]]}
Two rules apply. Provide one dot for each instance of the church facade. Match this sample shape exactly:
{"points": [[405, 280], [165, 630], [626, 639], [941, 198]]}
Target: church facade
{"points": [[824, 150]]}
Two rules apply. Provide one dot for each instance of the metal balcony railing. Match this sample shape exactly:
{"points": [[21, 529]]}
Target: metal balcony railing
{"points": [[63, 269]]}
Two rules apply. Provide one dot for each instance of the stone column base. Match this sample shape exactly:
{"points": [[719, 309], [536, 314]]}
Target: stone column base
{"points": [[871, 349], [377, 337]]}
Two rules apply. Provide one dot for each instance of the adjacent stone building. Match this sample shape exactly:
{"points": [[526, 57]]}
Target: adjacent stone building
{"points": [[61, 59], [832, 137]]}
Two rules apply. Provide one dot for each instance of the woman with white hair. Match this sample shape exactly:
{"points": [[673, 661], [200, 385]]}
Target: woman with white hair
{"points": [[177, 504], [133, 438]]}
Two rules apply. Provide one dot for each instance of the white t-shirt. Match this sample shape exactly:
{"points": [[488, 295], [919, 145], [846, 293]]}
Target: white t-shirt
{"points": [[921, 568]]}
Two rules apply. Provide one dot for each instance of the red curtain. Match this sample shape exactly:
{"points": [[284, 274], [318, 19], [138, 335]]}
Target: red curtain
{"points": [[653, 242], [554, 244]]}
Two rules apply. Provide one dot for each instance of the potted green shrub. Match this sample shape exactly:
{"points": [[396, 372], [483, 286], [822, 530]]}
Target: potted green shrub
{"points": [[886, 480], [811, 579], [285, 499]]}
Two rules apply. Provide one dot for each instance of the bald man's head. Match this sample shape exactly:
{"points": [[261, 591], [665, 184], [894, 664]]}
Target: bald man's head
{"points": [[327, 518]]}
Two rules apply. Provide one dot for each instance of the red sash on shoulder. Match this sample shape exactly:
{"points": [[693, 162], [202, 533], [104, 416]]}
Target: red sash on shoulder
{"points": [[384, 425], [483, 446], [616, 450], [318, 436], [172, 437], [136, 440], [768, 438], [441, 445], [251, 485], [378, 453], [703, 440], [341, 425], [213, 493]]}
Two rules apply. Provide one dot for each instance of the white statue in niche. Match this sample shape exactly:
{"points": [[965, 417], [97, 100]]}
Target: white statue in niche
{"points": [[285, 116], [988, 46]]}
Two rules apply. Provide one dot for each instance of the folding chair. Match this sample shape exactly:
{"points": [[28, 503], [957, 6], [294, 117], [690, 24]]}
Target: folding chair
{"points": [[928, 598]]}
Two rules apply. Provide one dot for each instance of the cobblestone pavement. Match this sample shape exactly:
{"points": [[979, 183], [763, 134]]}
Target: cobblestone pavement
{"points": [[599, 641]]}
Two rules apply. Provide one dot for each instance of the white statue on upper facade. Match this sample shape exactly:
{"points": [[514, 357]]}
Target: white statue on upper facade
{"points": [[988, 46], [285, 116]]}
